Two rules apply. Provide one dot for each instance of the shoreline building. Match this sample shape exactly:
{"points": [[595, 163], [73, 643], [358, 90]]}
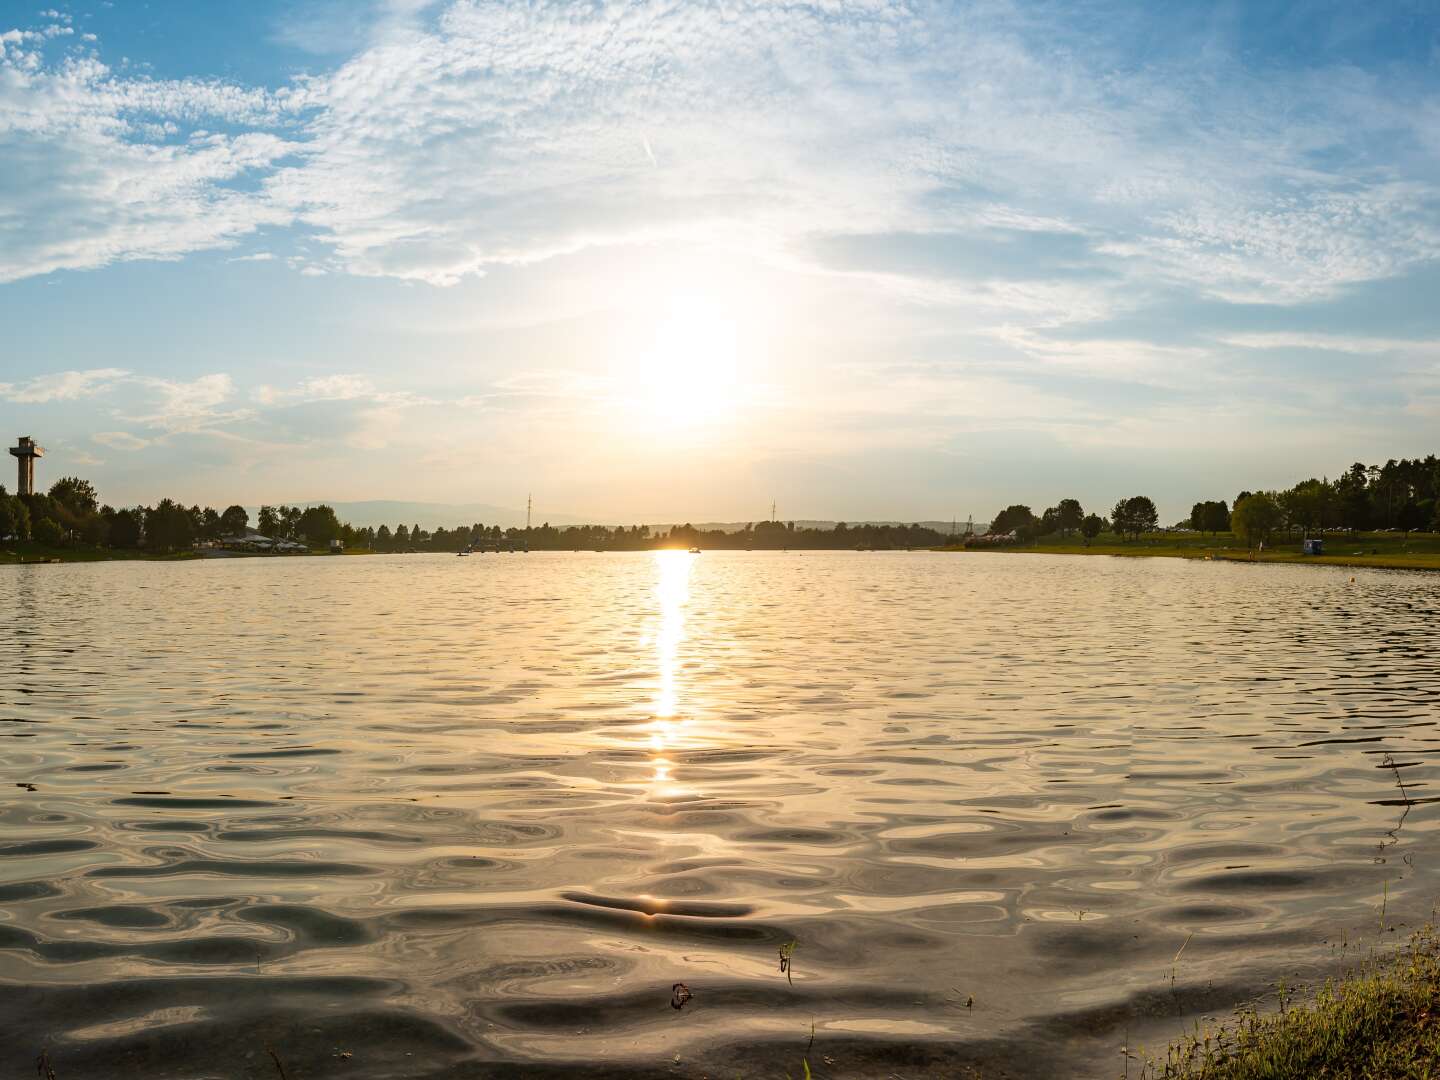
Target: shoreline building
{"points": [[26, 452]]}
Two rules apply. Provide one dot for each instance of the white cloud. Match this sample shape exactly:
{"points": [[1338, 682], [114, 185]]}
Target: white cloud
{"points": [[493, 134], [61, 386], [190, 406], [120, 440]]}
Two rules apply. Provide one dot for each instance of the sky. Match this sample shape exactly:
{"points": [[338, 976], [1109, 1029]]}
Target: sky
{"points": [[667, 261]]}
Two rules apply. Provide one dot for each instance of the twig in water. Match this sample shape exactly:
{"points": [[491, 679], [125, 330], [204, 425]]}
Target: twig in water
{"points": [[787, 953], [276, 1059], [42, 1065], [1176, 959]]}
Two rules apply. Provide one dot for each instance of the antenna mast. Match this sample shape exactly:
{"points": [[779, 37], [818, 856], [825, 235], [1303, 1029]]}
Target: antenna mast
{"points": [[528, 502], [772, 511]]}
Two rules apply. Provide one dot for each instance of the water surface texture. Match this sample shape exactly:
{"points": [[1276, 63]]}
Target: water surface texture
{"points": [[437, 817]]}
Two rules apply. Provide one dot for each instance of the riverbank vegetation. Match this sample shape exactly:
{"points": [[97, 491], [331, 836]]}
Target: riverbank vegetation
{"points": [[1380, 1021], [70, 524], [1372, 515]]}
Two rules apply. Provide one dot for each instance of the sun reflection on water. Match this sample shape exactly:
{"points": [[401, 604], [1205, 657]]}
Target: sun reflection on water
{"points": [[672, 593]]}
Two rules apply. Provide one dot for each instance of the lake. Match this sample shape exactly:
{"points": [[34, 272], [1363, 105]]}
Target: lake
{"points": [[423, 816]]}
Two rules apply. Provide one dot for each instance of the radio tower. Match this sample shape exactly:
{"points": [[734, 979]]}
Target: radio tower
{"points": [[528, 503], [772, 512]]}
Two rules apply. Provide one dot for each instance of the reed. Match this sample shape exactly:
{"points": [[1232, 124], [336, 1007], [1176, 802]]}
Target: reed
{"points": [[1381, 1020]]}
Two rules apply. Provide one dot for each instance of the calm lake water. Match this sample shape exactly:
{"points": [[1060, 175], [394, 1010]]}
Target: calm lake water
{"points": [[434, 817]]}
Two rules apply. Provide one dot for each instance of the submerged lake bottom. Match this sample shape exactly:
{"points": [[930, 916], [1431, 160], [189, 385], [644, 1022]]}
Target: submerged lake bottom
{"points": [[658, 814]]}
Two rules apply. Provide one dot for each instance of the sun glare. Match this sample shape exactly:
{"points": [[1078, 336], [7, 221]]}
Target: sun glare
{"points": [[688, 374]]}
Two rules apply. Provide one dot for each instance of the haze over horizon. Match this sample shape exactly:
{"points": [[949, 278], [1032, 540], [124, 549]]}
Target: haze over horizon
{"points": [[654, 262]]}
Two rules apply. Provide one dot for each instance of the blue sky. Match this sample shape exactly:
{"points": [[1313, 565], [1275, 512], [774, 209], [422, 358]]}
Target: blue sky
{"points": [[678, 260]]}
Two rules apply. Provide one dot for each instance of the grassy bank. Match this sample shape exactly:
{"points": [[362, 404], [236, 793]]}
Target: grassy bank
{"points": [[12, 554], [1386, 550], [1381, 1022]]}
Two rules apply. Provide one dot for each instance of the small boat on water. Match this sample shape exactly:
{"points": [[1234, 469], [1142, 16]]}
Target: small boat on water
{"points": [[694, 551]]}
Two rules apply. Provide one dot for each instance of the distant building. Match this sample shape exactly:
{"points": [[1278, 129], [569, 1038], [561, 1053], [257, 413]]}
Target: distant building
{"points": [[26, 451]]}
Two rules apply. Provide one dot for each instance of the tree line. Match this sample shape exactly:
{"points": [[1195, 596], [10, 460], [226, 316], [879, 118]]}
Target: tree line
{"points": [[1401, 495], [71, 513]]}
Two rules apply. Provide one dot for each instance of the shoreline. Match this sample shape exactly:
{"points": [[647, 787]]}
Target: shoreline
{"points": [[1374, 560]]}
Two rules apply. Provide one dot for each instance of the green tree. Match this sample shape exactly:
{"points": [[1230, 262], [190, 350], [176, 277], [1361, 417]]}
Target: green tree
{"points": [[1091, 526], [1134, 516], [1255, 519], [1217, 517], [1012, 519], [47, 531], [20, 517], [318, 525], [1069, 515], [9, 518], [168, 527], [268, 523], [76, 495], [125, 528]]}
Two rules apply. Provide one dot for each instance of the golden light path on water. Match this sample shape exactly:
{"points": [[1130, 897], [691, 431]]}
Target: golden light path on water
{"points": [[672, 594]]}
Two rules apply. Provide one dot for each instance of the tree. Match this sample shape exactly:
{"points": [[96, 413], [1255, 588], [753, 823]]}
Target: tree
{"points": [[47, 531], [1217, 517], [1011, 519], [1069, 515], [1134, 516], [268, 522], [76, 495], [1255, 519], [1410, 518], [1092, 526], [9, 516], [19, 517], [318, 525], [125, 528], [168, 527], [236, 520]]}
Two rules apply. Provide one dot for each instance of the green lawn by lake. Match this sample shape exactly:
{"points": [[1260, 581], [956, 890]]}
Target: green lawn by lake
{"points": [[1421, 551]]}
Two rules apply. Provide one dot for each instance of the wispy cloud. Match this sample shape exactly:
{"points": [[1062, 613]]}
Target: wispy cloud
{"points": [[61, 386], [496, 134], [120, 440]]}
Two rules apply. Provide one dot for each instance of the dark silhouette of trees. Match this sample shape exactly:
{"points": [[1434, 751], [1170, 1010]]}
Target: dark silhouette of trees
{"points": [[234, 521], [168, 527], [1012, 519], [1134, 516], [1068, 515], [1092, 526]]}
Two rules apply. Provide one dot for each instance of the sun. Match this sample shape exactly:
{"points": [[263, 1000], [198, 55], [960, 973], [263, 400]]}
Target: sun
{"points": [[687, 374]]}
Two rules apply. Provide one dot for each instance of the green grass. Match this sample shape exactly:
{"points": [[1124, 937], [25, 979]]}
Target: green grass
{"points": [[1387, 550], [27, 551], [1381, 1022], [13, 553]]}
